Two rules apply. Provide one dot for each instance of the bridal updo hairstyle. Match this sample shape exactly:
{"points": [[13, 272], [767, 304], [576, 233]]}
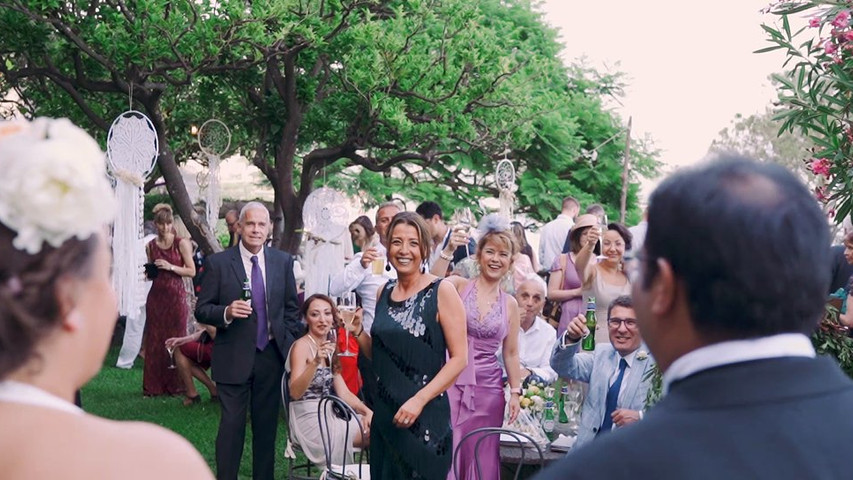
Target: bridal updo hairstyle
{"points": [[29, 305]]}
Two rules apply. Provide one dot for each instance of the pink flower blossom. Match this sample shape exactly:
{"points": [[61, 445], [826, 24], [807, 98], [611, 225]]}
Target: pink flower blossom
{"points": [[830, 48], [841, 20], [847, 36], [814, 22], [821, 166], [820, 193]]}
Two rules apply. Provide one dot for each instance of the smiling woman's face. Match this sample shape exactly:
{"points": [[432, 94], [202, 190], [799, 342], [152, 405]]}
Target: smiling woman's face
{"points": [[404, 249]]}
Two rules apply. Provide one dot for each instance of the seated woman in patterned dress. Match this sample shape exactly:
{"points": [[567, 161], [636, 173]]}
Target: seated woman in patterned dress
{"points": [[312, 376]]}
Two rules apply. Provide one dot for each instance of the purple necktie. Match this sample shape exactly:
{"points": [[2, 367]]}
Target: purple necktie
{"points": [[259, 304]]}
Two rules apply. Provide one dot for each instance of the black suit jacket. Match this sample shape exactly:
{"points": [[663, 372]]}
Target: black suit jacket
{"points": [[785, 418], [234, 346]]}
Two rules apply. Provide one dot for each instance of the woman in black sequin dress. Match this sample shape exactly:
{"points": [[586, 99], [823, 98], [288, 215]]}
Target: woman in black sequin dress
{"points": [[418, 347]]}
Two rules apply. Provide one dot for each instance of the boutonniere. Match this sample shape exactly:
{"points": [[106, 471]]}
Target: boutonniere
{"points": [[642, 355]]}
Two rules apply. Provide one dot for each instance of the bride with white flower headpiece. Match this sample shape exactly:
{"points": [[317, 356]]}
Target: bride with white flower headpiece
{"points": [[57, 313]]}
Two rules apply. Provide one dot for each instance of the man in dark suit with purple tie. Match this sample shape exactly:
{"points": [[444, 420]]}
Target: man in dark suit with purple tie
{"points": [[252, 340]]}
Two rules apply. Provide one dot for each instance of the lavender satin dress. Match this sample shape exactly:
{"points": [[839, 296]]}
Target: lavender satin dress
{"points": [[477, 397]]}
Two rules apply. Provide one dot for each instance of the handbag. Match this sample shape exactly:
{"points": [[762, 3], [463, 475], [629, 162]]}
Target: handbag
{"points": [[552, 311]]}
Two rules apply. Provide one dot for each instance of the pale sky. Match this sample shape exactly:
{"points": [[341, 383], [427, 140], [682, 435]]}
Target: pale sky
{"points": [[689, 66]]}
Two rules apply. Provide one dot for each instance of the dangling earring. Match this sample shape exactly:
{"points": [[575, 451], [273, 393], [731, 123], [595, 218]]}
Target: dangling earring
{"points": [[424, 266], [387, 266]]}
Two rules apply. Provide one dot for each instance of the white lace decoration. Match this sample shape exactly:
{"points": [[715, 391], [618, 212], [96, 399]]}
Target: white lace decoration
{"points": [[54, 185], [132, 148]]}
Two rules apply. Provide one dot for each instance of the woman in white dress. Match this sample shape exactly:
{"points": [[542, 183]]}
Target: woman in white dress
{"points": [[57, 313]]}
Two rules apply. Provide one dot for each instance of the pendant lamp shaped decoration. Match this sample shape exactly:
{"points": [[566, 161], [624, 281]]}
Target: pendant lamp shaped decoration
{"points": [[214, 138], [132, 149]]}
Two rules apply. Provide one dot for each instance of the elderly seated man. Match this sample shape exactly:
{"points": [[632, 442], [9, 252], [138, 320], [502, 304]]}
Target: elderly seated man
{"points": [[616, 372], [536, 339]]}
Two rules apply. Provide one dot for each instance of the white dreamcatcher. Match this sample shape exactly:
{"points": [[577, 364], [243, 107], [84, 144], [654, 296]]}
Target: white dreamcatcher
{"points": [[132, 148], [505, 181], [214, 138], [325, 216]]}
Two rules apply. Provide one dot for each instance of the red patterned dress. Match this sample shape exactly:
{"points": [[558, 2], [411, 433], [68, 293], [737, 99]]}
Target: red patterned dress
{"points": [[165, 317]]}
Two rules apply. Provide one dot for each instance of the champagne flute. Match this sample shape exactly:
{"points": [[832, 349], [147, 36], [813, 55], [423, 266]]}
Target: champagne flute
{"points": [[332, 336], [347, 308], [171, 351], [464, 220], [602, 227]]}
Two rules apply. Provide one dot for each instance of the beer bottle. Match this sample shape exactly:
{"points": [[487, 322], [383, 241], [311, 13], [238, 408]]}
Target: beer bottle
{"points": [[561, 404], [548, 419], [588, 342], [247, 291]]}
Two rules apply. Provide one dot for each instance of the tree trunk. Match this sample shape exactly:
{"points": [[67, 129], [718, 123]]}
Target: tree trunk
{"points": [[196, 225]]}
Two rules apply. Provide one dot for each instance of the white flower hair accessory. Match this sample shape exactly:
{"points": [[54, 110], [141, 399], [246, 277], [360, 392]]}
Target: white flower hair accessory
{"points": [[492, 223], [54, 185]]}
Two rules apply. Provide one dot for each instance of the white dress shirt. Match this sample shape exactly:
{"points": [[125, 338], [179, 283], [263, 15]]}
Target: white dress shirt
{"points": [[363, 282], [534, 349], [246, 257], [552, 237], [737, 351]]}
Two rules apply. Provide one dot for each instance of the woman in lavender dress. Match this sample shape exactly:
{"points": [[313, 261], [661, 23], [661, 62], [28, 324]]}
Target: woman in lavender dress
{"points": [[564, 284], [477, 397]]}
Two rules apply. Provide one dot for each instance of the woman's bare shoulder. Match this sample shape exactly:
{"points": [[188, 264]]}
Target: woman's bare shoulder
{"points": [[85, 446]]}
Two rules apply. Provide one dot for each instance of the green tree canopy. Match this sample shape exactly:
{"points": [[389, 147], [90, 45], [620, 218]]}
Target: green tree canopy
{"points": [[418, 96]]}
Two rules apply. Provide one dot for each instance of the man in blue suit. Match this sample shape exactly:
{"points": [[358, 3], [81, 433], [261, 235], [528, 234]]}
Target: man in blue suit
{"points": [[731, 280], [616, 372], [252, 339]]}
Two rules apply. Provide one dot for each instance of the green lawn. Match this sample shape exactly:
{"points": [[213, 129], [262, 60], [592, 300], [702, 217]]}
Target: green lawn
{"points": [[117, 394]]}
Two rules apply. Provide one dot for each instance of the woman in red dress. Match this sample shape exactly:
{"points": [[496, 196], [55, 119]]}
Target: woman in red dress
{"points": [[166, 308]]}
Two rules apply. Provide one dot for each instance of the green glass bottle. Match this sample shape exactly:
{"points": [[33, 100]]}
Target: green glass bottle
{"points": [[548, 419], [561, 404], [588, 342], [247, 291]]}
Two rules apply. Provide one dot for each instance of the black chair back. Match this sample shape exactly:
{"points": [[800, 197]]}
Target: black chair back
{"points": [[480, 434], [330, 409], [292, 469]]}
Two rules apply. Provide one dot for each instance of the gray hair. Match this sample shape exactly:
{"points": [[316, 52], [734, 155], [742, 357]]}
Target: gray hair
{"points": [[532, 277], [252, 206]]}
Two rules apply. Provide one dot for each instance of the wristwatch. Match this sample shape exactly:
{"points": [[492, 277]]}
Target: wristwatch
{"points": [[515, 390]]}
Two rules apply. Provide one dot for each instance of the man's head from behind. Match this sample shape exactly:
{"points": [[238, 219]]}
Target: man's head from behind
{"points": [[432, 214], [735, 249], [571, 207]]}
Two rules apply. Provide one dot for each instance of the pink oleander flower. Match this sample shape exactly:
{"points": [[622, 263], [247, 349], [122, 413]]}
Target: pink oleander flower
{"points": [[814, 22], [829, 47], [821, 166], [847, 36], [841, 20], [820, 193]]}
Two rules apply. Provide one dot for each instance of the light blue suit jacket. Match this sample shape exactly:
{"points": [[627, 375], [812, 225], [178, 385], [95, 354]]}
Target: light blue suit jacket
{"points": [[596, 368]]}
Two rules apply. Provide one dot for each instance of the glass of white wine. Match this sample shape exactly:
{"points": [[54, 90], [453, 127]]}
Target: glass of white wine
{"points": [[347, 307]]}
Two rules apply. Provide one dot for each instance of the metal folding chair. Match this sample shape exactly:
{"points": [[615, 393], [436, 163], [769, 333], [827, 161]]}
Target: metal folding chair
{"points": [[330, 408], [481, 434], [292, 468]]}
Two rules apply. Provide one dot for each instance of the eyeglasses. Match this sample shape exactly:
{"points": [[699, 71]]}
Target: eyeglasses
{"points": [[615, 323]]}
